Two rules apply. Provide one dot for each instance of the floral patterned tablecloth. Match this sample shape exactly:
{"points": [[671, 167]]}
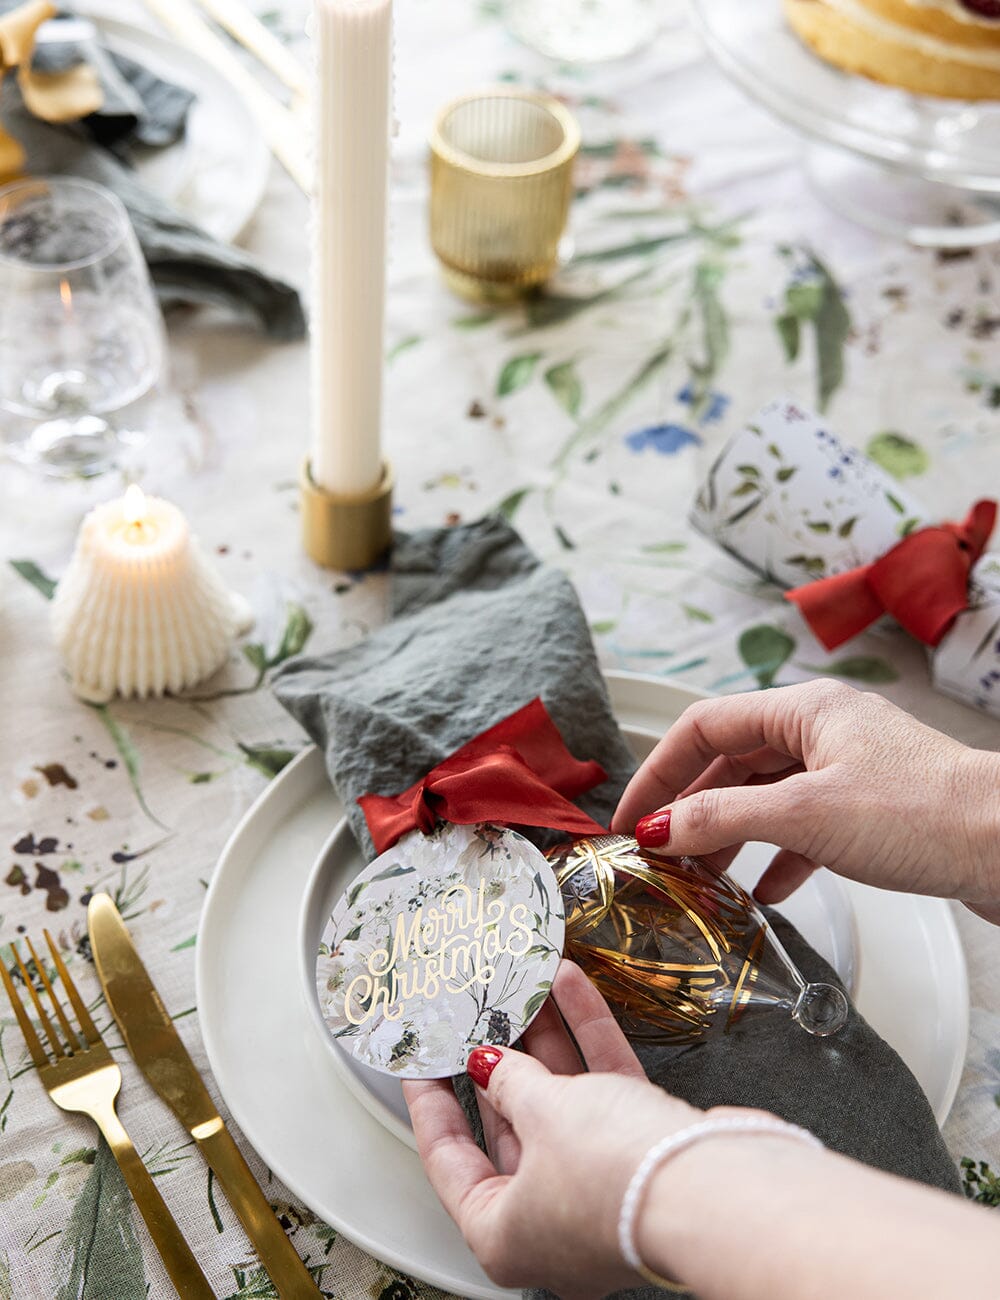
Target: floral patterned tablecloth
{"points": [[707, 279]]}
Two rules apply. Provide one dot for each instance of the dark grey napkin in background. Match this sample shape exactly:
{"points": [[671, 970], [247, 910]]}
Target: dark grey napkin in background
{"points": [[187, 265], [479, 628]]}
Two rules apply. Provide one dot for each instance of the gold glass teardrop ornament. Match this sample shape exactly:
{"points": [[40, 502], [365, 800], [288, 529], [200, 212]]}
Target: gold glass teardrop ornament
{"points": [[680, 951]]}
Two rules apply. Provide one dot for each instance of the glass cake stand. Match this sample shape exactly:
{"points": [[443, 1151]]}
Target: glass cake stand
{"points": [[917, 167]]}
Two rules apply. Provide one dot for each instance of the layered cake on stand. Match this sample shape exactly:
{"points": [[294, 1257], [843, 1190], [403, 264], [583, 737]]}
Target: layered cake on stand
{"points": [[947, 48]]}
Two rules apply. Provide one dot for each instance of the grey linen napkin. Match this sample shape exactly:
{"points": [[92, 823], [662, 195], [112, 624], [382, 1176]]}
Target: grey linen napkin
{"points": [[479, 627], [187, 265]]}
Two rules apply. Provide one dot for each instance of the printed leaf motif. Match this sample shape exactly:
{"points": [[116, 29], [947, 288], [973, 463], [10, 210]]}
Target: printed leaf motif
{"points": [[534, 1003], [404, 344], [511, 503], [698, 615], [814, 565], [268, 759], [473, 322], [564, 383], [708, 277], [256, 655], [595, 424], [764, 649], [390, 873], [99, 1251], [900, 456], [785, 473], [129, 755], [742, 514], [635, 248], [603, 626], [298, 629], [847, 527], [804, 299], [862, 668], [296, 632], [664, 548], [790, 335], [517, 372], [833, 325], [813, 297], [31, 572]]}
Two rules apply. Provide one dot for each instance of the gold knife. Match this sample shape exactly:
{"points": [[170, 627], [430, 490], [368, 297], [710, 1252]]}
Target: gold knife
{"points": [[157, 1049]]}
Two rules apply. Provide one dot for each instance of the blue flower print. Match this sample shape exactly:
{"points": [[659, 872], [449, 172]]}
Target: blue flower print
{"points": [[665, 439], [716, 404]]}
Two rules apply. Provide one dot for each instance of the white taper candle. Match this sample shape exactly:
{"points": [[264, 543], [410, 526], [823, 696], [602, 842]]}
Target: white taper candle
{"points": [[353, 55]]}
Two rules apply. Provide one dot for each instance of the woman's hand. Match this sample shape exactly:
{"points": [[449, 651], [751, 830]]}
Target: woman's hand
{"points": [[833, 776], [542, 1208]]}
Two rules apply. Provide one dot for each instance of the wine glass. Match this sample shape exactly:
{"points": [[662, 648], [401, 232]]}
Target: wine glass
{"points": [[81, 334], [680, 950]]}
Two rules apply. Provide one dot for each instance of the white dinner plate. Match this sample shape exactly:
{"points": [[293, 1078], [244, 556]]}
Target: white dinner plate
{"points": [[281, 1083], [216, 173]]}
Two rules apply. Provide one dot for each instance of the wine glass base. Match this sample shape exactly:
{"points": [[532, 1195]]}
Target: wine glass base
{"points": [[81, 446], [929, 214]]}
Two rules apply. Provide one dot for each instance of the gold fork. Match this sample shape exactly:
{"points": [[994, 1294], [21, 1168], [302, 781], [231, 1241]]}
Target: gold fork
{"points": [[79, 1075]]}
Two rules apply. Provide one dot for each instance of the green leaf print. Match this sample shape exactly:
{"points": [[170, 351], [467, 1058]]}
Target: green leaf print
{"points": [[664, 548], [268, 759], [698, 615], [296, 632], [99, 1252], [979, 1182], [765, 649], [814, 298], [473, 322], [833, 325], [30, 572], [298, 629], [517, 373], [534, 1003], [897, 454], [122, 740], [511, 503], [404, 344], [790, 335], [603, 626], [564, 384], [861, 668], [636, 247]]}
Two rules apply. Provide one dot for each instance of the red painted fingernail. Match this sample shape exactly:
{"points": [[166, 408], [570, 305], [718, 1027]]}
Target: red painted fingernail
{"points": [[653, 831], [481, 1064]]}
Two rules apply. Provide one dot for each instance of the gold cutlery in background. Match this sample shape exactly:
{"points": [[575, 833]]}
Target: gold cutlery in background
{"points": [[157, 1049], [79, 1075]]}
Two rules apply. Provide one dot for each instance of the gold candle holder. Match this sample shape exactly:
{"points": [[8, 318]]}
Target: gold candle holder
{"points": [[346, 531], [501, 184]]}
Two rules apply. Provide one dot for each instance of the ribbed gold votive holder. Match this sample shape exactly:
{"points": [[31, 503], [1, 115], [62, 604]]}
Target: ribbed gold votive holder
{"points": [[501, 184]]}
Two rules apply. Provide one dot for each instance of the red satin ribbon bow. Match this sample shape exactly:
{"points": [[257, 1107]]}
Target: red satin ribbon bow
{"points": [[518, 772], [923, 582]]}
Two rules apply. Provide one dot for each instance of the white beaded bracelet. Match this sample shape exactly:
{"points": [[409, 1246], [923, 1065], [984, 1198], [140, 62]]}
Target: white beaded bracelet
{"points": [[670, 1146]]}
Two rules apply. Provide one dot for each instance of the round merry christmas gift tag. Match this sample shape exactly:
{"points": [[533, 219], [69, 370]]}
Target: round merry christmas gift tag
{"points": [[445, 942]]}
